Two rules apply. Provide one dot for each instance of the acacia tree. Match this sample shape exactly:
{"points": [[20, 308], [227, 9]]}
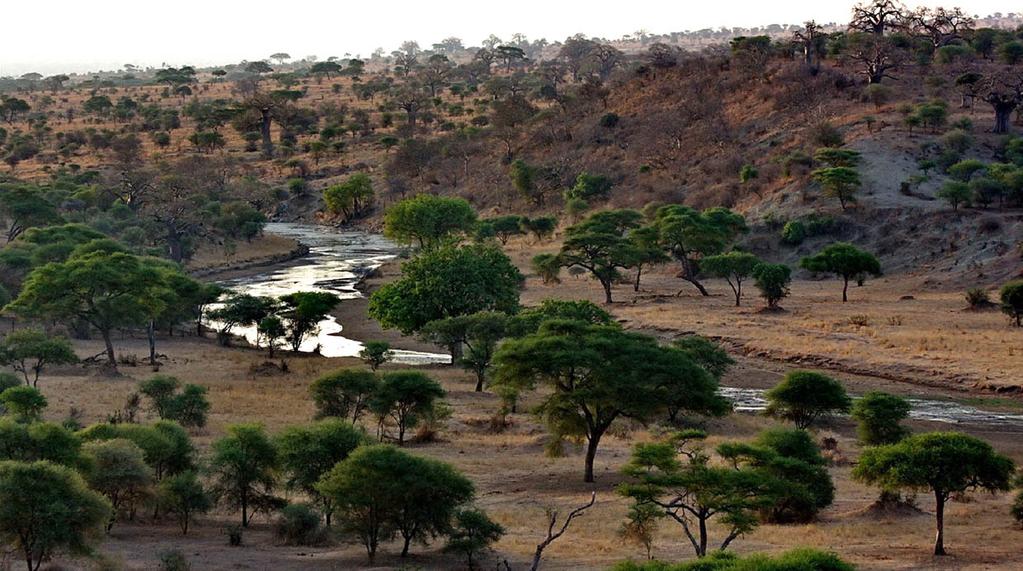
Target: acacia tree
{"points": [[598, 374], [23, 207], [106, 290], [677, 479], [844, 260], [344, 393], [689, 235], [302, 312], [428, 220], [944, 463], [404, 398], [309, 452], [878, 416], [447, 282], [839, 182], [1011, 297], [30, 350], [381, 491], [243, 467], [773, 282], [804, 397], [45, 507], [734, 267], [600, 245]]}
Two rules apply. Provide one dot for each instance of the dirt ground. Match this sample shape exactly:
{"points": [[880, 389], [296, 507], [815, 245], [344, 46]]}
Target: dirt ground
{"points": [[924, 346]]}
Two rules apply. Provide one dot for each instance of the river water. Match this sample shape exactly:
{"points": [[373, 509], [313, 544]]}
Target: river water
{"points": [[338, 260], [336, 263]]}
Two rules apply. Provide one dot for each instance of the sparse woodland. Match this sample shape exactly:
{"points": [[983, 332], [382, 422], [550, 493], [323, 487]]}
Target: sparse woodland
{"points": [[608, 238]]}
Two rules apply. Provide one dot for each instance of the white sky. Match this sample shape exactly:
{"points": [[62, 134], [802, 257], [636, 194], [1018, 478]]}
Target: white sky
{"points": [[50, 36]]}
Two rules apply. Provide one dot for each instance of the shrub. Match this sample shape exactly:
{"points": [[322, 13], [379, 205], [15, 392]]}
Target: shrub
{"points": [[793, 233], [472, 533], [589, 186], [978, 298], [376, 353], [299, 524], [1011, 297], [773, 282], [804, 397], [878, 416], [174, 560], [24, 403], [825, 134]]}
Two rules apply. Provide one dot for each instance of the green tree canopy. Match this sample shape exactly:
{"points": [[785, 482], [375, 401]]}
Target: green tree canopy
{"points": [[403, 398], [308, 452], [244, 468], [804, 397], [839, 182], [28, 351], [844, 260], [734, 267], [303, 311], [428, 220], [598, 374], [381, 491], [773, 282], [1011, 297], [45, 508], [446, 282], [943, 463], [689, 235], [878, 416], [600, 245], [118, 470], [344, 393]]}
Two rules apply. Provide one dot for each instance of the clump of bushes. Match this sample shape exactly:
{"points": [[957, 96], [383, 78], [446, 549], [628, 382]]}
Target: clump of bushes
{"points": [[796, 231], [299, 524]]}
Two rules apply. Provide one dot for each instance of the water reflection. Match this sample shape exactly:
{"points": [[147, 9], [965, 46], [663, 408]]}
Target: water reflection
{"points": [[337, 261]]}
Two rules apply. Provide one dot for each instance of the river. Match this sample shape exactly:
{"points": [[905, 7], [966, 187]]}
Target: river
{"points": [[338, 260], [336, 263]]}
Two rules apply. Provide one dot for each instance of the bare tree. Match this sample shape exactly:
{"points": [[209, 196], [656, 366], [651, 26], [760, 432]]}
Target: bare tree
{"points": [[811, 40], [552, 522], [877, 56], [877, 17], [941, 26]]}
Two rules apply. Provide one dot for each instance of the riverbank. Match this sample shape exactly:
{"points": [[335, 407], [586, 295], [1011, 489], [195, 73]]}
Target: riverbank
{"points": [[215, 262]]}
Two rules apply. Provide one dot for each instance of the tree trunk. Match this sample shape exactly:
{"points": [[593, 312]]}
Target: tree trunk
{"points": [[245, 511], [111, 358], [151, 335], [1003, 113], [845, 289], [639, 274], [264, 131], [607, 291], [591, 455], [939, 519], [703, 537]]}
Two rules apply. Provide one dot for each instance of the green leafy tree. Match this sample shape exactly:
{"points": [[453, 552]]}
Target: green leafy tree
{"points": [[600, 245], [160, 390], [506, 226], [240, 311], [244, 468], [30, 350], [773, 282], [24, 207], [955, 193], [879, 417], [308, 452], [39, 441], [944, 463], [403, 399], [24, 403], [677, 478], [734, 267], [805, 397], [184, 496], [790, 455], [351, 198], [598, 374], [649, 252], [547, 267], [45, 508], [1011, 297], [844, 260], [271, 329], [471, 339], [541, 227], [839, 182], [447, 282], [376, 353], [118, 470], [344, 393], [472, 533], [428, 220], [690, 235], [106, 290], [303, 311], [381, 491], [705, 353]]}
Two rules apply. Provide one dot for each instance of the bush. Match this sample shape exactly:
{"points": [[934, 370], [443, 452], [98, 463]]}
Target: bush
{"points": [[299, 524], [1011, 298], [804, 397], [879, 416], [978, 298], [174, 560], [793, 233]]}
